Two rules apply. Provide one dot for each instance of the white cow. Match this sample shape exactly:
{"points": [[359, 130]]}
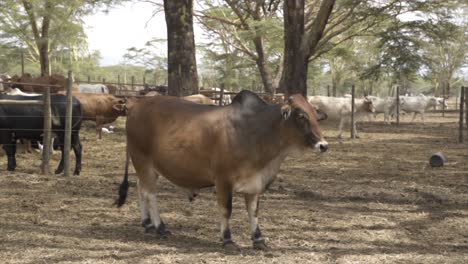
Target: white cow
{"points": [[387, 106], [16, 91], [93, 88], [418, 104], [339, 109]]}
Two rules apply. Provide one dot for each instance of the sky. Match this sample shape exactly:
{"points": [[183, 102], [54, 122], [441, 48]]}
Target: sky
{"points": [[127, 26]]}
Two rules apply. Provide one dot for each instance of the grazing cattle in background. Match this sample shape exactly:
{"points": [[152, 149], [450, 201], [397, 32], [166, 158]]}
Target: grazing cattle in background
{"points": [[93, 88], [54, 79], [441, 102], [27, 122], [418, 105], [112, 88], [339, 109], [4, 78], [236, 148], [101, 108], [161, 89], [199, 99], [387, 106]]}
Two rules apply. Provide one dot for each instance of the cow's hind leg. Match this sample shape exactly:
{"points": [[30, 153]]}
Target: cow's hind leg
{"points": [[144, 207], [77, 149], [60, 167], [224, 195], [10, 150], [147, 180], [251, 203]]}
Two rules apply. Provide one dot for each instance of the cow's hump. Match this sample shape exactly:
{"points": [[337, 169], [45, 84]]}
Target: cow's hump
{"points": [[248, 100]]}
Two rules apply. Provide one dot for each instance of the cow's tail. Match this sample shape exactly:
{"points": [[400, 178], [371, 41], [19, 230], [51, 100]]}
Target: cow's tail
{"points": [[123, 189]]}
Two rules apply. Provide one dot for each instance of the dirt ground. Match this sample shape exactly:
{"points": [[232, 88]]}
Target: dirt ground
{"points": [[368, 200]]}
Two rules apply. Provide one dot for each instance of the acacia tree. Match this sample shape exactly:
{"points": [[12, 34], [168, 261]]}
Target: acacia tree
{"points": [[43, 27], [182, 67], [250, 27], [301, 44], [444, 52]]}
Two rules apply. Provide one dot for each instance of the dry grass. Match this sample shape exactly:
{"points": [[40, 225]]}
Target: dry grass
{"points": [[369, 200]]}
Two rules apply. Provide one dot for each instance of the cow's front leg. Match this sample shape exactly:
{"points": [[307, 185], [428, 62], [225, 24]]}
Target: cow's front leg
{"points": [[340, 127], [251, 203], [60, 167], [224, 195], [10, 150], [77, 149]]}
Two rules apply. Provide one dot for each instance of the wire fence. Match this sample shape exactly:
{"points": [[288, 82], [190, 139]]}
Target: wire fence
{"points": [[219, 95]]}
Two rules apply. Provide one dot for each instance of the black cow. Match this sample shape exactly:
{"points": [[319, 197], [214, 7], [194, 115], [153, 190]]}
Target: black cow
{"points": [[27, 122]]}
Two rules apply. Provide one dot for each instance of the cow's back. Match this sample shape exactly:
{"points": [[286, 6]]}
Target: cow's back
{"points": [[334, 107], [176, 137], [27, 121]]}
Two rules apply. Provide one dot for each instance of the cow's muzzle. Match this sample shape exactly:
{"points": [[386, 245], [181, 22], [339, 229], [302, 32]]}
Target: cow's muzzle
{"points": [[322, 146]]}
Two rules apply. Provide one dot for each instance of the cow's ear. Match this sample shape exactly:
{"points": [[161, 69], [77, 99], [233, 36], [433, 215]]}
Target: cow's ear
{"points": [[119, 107], [286, 111], [321, 115]]}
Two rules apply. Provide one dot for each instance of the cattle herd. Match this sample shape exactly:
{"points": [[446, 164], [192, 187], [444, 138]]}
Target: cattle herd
{"points": [[236, 148]]}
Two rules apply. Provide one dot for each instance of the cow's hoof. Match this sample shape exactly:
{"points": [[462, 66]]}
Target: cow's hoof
{"points": [[146, 222], [76, 173], [58, 171], [231, 248], [160, 231], [260, 245]]}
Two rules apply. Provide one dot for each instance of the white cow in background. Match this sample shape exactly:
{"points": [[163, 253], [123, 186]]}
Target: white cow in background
{"points": [[418, 104], [339, 109], [93, 88], [387, 106], [16, 91]]}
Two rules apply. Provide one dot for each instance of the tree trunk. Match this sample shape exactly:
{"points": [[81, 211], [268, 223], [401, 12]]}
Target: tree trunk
{"points": [[262, 67], [334, 86], [295, 64], [299, 45], [182, 67]]}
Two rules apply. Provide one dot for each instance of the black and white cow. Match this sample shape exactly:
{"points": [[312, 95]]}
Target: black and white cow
{"points": [[27, 122]]}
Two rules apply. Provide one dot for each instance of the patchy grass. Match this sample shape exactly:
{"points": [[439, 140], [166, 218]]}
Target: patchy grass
{"points": [[369, 200]]}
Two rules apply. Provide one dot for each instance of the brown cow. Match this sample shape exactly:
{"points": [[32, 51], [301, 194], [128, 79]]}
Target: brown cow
{"points": [[101, 108], [236, 148], [54, 79]]}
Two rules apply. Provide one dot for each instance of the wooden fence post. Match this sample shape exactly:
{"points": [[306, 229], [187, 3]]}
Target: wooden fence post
{"points": [[22, 62], [118, 84], [398, 105], [133, 83], [443, 102], [68, 125], [328, 90], [353, 122], [47, 134], [466, 105], [221, 95], [462, 105]]}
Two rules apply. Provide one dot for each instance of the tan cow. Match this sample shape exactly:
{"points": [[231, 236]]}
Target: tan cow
{"points": [[101, 108], [199, 99], [236, 148]]}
